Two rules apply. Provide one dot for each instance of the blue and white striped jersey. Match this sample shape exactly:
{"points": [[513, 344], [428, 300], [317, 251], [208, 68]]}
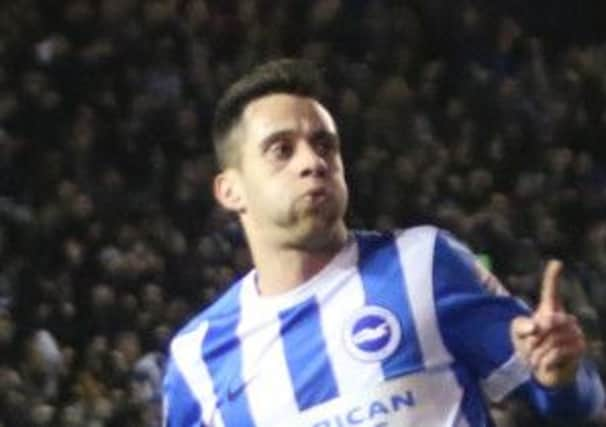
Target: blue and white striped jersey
{"points": [[399, 329]]}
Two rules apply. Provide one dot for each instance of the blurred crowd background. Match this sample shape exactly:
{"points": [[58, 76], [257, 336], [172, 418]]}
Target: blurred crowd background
{"points": [[487, 118]]}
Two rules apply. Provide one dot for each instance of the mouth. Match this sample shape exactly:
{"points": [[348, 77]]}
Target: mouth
{"points": [[316, 195], [315, 199]]}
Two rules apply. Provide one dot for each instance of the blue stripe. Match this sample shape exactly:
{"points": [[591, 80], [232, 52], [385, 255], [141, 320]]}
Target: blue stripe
{"points": [[226, 305], [222, 354], [384, 286], [183, 409], [572, 402], [311, 373], [473, 406]]}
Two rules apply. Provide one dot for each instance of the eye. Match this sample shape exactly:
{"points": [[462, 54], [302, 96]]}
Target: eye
{"points": [[280, 149], [325, 144]]}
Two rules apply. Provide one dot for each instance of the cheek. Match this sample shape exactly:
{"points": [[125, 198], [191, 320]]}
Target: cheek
{"points": [[340, 176], [266, 194], [278, 194], [344, 191]]}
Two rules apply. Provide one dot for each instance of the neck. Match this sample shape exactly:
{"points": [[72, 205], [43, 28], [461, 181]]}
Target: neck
{"points": [[280, 268]]}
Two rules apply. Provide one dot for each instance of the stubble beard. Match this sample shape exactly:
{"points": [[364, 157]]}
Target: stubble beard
{"points": [[319, 228]]}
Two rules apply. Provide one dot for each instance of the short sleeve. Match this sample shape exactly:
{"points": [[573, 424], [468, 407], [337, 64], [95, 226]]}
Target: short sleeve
{"points": [[474, 315]]}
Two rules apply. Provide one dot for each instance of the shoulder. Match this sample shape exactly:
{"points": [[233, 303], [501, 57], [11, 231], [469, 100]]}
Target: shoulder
{"points": [[411, 236], [226, 306], [430, 249], [413, 249], [439, 240], [421, 235], [403, 245]]}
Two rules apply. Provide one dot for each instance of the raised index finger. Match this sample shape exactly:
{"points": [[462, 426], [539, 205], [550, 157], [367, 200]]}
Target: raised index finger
{"points": [[550, 295]]}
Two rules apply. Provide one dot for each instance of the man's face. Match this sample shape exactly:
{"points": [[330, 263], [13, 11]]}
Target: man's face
{"points": [[291, 172]]}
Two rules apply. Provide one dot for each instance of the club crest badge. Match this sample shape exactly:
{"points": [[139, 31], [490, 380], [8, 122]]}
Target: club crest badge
{"points": [[372, 333]]}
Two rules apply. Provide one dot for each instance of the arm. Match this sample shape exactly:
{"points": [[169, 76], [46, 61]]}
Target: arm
{"points": [[582, 398], [477, 328], [553, 344]]}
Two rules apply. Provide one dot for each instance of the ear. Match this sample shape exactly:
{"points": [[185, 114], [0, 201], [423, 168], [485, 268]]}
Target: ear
{"points": [[228, 191]]}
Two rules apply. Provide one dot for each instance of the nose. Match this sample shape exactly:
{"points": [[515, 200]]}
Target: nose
{"points": [[310, 162]]}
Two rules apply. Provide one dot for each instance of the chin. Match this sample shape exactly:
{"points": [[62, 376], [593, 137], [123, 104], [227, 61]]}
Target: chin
{"points": [[317, 227], [317, 235]]}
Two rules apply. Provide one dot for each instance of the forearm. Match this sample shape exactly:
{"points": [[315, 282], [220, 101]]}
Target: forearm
{"points": [[582, 399]]}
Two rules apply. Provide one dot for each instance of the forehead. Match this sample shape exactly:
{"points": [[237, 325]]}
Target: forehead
{"points": [[281, 112]]}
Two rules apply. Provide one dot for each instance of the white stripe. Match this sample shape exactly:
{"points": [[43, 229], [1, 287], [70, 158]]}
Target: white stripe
{"points": [[338, 300], [186, 350], [436, 394], [598, 408], [505, 378], [598, 411], [462, 421], [264, 368], [416, 249]]}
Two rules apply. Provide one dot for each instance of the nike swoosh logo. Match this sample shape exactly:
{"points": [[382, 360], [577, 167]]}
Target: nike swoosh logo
{"points": [[233, 393], [236, 388]]}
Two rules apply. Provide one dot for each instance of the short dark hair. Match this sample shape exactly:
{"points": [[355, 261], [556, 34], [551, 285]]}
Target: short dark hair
{"points": [[291, 76]]}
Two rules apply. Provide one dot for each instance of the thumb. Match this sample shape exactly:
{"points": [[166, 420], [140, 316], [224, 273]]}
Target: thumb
{"points": [[550, 294]]}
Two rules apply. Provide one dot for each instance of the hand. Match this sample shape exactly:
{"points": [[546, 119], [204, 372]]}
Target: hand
{"points": [[551, 340]]}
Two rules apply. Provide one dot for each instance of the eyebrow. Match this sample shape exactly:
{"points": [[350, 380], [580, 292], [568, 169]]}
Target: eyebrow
{"points": [[269, 139], [318, 133]]}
